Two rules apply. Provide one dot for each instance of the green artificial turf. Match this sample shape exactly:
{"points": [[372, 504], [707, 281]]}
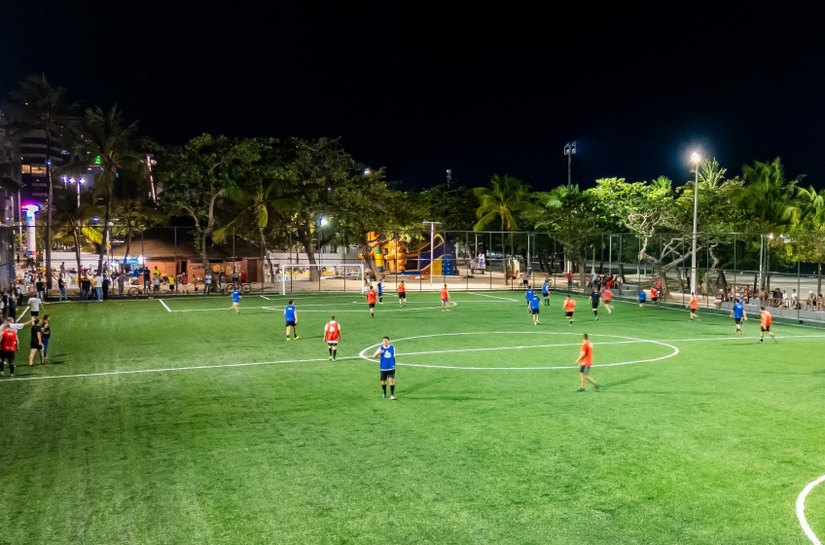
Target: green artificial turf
{"points": [[188, 424]]}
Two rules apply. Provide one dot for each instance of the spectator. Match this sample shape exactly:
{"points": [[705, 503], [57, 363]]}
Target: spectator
{"points": [[207, 283], [106, 283], [85, 287], [98, 280], [61, 285]]}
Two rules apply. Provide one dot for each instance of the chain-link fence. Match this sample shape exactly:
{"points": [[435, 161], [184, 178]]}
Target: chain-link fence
{"points": [[763, 269]]}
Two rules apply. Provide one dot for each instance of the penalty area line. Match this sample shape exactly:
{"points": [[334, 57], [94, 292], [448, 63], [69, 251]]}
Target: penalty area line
{"points": [[162, 302], [800, 510], [493, 297]]}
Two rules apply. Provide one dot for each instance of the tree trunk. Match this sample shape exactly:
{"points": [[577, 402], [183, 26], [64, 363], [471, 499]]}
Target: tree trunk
{"points": [[76, 233], [103, 247], [309, 248]]}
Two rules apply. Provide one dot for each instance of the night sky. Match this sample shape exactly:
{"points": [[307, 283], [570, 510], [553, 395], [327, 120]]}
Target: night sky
{"points": [[419, 90]]}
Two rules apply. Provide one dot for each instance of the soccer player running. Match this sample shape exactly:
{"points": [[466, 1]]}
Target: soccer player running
{"points": [[291, 319], [584, 362], [371, 299], [765, 320], [545, 292], [607, 299], [569, 308], [642, 298], [535, 308], [739, 314], [594, 302], [236, 299], [445, 298], [402, 294], [332, 334], [693, 305], [380, 291], [386, 353]]}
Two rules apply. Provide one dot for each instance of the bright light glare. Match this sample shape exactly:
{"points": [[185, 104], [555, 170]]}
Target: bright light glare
{"points": [[695, 158]]}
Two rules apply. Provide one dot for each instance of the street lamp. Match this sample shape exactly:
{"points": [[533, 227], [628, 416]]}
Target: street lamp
{"points": [[695, 158], [570, 151], [80, 181], [432, 243]]}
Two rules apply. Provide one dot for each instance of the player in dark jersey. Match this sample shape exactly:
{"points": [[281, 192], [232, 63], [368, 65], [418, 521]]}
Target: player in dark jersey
{"points": [[386, 353]]}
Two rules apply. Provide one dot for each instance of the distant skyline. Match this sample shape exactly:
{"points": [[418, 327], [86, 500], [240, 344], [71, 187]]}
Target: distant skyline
{"points": [[485, 92]]}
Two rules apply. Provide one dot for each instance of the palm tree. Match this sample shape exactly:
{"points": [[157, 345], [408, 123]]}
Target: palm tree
{"points": [[112, 141], [40, 106], [810, 229], [767, 198], [499, 202]]}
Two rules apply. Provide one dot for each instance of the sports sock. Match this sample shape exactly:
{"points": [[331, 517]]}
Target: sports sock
{"points": [[392, 389], [384, 387], [330, 350]]}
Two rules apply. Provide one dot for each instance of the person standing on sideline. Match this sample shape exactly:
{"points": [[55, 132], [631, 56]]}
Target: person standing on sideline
{"points": [[585, 361], [147, 277], [40, 287], [654, 296], [236, 299], [371, 298], [569, 309], [545, 292], [642, 297], [445, 298], [386, 353], [332, 335], [61, 286], [36, 342], [765, 320], [402, 294], [98, 287], [739, 314], [594, 302], [693, 305], [207, 283], [45, 336], [607, 299], [569, 281], [535, 308], [8, 349], [291, 319], [380, 291]]}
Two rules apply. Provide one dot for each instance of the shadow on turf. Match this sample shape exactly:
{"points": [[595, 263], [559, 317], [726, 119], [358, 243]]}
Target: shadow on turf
{"points": [[630, 380]]}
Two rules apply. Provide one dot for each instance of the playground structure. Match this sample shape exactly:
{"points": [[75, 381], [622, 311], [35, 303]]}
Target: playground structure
{"points": [[394, 256]]}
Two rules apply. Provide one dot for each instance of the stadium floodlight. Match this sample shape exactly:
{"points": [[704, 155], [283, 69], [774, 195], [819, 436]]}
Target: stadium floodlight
{"points": [[570, 151], [695, 158]]}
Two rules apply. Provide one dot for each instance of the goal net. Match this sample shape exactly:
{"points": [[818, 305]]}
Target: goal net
{"points": [[321, 277]]}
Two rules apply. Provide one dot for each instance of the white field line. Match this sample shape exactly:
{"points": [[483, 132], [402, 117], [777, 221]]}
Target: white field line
{"points": [[265, 297], [493, 297], [800, 510], [25, 310], [165, 305]]}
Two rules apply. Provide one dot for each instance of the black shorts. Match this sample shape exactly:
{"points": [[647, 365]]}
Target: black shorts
{"points": [[738, 321], [402, 295], [594, 306], [35, 313], [766, 329], [654, 299], [387, 374], [569, 314], [36, 346], [535, 311], [372, 305], [584, 369], [7, 355], [332, 343], [290, 323]]}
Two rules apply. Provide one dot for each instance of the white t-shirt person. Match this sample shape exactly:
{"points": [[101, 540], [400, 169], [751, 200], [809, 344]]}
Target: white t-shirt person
{"points": [[34, 305]]}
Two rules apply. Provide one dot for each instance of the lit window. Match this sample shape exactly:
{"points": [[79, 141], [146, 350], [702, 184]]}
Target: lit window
{"points": [[38, 170], [26, 169]]}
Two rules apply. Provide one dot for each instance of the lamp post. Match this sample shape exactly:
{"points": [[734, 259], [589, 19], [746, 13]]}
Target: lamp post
{"points": [[80, 181], [432, 242], [695, 158], [570, 151]]}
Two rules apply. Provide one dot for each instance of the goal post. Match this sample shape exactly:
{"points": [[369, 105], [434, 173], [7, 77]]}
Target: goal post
{"points": [[329, 277]]}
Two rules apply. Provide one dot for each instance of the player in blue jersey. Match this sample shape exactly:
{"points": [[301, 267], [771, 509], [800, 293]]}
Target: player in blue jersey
{"points": [[535, 308], [528, 295], [642, 298], [594, 301], [386, 355], [291, 319], [380, 291], [739, 314], [545, 292], [236, 299]]}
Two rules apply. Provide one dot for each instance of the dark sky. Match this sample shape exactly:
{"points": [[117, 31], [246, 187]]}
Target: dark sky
{"points": [[419, 90]]}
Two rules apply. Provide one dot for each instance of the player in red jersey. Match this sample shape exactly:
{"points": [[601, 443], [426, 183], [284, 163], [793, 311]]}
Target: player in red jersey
{"points": [[569, 308], [445, 298], [765, 321], [371, 299], [8, 348], [607, 300], [402, 294], [693, 306], [332, 335]]}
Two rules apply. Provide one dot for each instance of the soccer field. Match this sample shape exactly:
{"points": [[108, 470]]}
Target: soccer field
{"points": [[179, 422]]}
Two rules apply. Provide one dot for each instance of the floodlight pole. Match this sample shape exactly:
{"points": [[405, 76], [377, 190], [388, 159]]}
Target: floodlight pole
{"points": [[570, 151], [695, 159], [432, 249]]}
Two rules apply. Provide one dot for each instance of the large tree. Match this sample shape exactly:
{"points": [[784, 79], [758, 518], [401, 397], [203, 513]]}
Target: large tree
{"points": [[499, 204], [196, 176]]}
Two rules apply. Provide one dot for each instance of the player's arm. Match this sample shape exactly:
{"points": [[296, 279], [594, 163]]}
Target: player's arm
{"points": [[378, 352]]}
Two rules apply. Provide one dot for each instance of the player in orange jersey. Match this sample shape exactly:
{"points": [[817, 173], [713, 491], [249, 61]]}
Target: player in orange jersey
{"points": [[585, 361], [372, 297], [569, 308], [693, 306], [445, 298], [402, 294], [607, 300], [332, 334], [765, 321]]}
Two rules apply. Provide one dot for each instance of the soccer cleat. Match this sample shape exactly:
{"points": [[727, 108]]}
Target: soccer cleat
{"points": [[761, 341], [297, 337], [288, 338], [597, 387], [392, 397], [581, 390], [385, 396], [330, 358]]}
